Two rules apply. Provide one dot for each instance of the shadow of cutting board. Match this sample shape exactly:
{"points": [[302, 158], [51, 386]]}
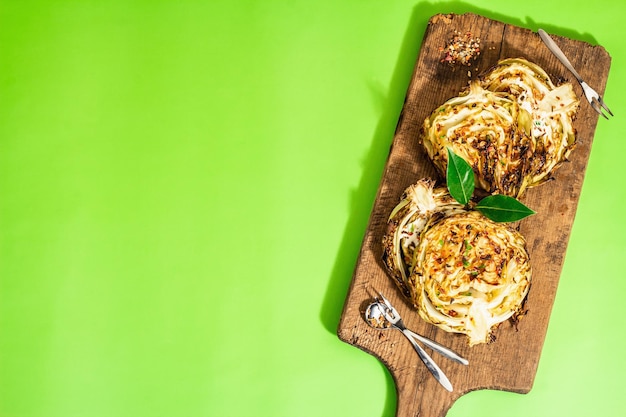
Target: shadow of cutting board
{"points": [[509, 363]]}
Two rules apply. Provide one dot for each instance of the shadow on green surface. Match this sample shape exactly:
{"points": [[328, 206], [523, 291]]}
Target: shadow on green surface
{"points": [[362, 197]]}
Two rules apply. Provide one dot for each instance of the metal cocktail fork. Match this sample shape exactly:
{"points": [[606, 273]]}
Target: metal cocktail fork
{"points": [[394, 318], [592, 96]]}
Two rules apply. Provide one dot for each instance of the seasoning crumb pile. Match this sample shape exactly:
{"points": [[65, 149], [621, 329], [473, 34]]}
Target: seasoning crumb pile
{"points": [[461, 49]]}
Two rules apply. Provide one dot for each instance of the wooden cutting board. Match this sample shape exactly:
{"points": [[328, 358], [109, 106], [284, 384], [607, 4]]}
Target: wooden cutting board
{"points": [[509, 363]]}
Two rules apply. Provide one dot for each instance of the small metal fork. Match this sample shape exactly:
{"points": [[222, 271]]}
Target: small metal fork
{"points": [[394, 318], [592, 96]]}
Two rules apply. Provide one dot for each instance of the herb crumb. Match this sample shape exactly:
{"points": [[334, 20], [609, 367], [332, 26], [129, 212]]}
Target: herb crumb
{"points": [[461, 49]]}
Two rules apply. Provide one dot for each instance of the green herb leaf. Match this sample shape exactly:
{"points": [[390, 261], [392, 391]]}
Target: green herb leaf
{"points": [[502, 208], [459, 178]]}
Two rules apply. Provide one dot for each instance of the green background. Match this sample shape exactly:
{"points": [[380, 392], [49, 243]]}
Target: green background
{"points": [[184, 186]]}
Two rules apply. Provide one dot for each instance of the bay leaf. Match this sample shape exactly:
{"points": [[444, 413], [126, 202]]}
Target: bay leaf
{"points": [[459, 178], [502, 208]]}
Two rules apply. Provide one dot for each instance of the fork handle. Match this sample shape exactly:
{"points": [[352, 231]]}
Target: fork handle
{"points": [[442, 350], [554, 48], [429, 362]]}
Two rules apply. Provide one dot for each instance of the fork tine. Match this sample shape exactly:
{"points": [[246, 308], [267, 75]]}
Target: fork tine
{"points": [[604, 105], [387, 303], [595, 104]]}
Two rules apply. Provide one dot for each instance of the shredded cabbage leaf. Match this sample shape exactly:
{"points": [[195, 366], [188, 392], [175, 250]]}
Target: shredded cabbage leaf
{"points": [[463, 272], [513, 126], [421, 203], [470, 274]]}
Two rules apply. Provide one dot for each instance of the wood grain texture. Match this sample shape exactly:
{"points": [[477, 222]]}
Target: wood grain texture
{"points": [[510, 363]]}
